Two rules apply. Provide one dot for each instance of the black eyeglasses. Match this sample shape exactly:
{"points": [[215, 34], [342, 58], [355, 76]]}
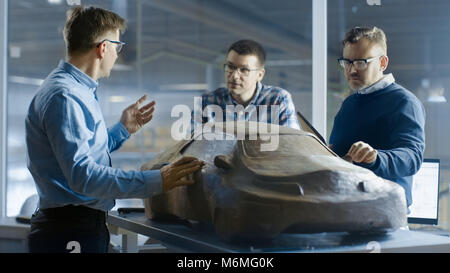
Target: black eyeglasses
{"points": [[119, 44], [358, 64], [230, 68]]}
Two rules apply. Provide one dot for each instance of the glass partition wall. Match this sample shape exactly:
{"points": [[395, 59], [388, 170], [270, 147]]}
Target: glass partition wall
{"points": [[174, 51]]}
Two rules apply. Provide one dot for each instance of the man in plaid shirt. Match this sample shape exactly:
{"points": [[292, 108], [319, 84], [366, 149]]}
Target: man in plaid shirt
{"points": [[245, 97]]}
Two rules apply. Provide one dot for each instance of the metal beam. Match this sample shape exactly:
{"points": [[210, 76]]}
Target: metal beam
{"points": [[225, 17], [139, 71], [3, 102], [152, 39], [319, 103]]}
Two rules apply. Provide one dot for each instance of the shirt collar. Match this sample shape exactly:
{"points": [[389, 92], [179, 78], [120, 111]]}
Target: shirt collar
{"points": [[79, 75], [381, 84]]}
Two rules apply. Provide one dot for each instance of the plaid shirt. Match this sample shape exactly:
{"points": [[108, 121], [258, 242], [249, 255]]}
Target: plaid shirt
{"points": [[266, 96]]}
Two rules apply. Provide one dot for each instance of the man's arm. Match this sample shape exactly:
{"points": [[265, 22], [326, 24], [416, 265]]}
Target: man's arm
{"points": [[117, 135], [70, 129], [196, 123], [133, 118], [288, 116], [197, 119], [407, 140]]}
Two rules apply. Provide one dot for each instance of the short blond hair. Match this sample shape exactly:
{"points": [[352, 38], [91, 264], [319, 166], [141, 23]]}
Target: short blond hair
{"points": [[373, 34], [84, 25]]}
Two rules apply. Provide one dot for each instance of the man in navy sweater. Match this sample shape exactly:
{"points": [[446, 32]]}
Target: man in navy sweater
{"points": [[381, 125]]}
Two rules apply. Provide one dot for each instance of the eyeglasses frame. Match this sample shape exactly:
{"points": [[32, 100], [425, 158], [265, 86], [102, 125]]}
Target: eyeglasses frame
{"points": [[120, 44], [238, 69], [350, 62]]}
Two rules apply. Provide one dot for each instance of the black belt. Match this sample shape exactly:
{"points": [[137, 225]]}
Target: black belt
{"points": [[72, 211]]}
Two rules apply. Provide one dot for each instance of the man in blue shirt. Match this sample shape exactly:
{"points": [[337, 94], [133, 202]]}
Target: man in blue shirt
{"points": [[245, 94], [381, 125], [69, 146]]}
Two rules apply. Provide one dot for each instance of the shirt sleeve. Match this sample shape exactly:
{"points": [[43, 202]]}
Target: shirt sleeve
{"points": [[407, 140], [197, 119], [117, 135], [288, 116], [70, 128], [196, 123]]}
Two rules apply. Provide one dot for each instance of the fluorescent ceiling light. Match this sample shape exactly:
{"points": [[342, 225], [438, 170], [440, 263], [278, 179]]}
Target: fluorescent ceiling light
{"points": [[117, 99], [20, 174], [54, 2], [15, 51], [436, 98], [25, 80], [288, 62], [122, 67], [184, 86]]}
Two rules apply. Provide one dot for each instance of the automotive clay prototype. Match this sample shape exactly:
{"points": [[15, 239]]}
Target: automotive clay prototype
{"points": [[302, 186]]}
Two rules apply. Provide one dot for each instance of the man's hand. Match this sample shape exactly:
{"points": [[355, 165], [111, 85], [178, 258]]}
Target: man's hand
{"points": [[179, 172], [361, 152], [133, 117]]}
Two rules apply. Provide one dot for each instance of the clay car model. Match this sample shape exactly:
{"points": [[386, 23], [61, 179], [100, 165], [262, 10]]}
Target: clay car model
{"points": [[301, 186]]}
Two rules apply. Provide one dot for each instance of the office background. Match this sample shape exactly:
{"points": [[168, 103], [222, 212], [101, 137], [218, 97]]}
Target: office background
{"points": [[175, 50]]}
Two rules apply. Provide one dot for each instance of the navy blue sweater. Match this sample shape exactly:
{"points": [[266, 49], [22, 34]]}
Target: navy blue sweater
{"points": [[391, 120]]}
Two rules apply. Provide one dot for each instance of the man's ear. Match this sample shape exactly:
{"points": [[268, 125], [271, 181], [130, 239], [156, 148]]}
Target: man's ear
{"points": [[101, 50], [261, 74], [384, 62]]}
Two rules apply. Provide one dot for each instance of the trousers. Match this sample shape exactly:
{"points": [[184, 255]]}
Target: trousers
{"points": [[69, 229]]}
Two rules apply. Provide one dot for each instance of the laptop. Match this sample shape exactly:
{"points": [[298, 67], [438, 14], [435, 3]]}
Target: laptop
{"points": [[425, 194]]}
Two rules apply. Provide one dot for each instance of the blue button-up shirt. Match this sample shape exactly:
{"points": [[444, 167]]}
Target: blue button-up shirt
{"points": [[266, 95], [69, 146]]}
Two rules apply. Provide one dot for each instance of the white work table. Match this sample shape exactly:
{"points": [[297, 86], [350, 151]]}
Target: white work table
{"points": [[13, 232], [184, 236]]}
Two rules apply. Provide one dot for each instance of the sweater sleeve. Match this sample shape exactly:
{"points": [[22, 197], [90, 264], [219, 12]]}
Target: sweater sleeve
{"points": [[407, 143]]}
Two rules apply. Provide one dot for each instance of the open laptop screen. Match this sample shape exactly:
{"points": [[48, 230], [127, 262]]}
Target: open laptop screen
{"points": [[425, 194]]}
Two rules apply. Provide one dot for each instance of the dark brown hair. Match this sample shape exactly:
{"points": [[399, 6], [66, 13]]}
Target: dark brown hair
{"points": [[373, 34], [84, 25], [249, 47]]}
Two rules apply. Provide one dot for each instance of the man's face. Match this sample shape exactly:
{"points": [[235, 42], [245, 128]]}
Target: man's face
{"points": [[239, 84], [364, 49]]}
